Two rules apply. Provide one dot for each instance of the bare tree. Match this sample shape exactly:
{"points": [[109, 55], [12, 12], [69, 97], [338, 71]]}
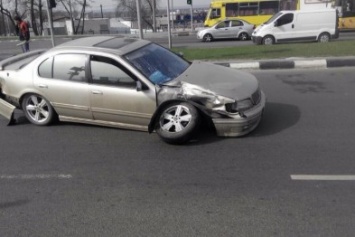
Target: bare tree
{"points": [[71, 7], [14, 8], [128, 9]]}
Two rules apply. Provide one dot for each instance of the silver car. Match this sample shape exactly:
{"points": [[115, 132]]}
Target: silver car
{"points": [[227, 29], [130, 84]]}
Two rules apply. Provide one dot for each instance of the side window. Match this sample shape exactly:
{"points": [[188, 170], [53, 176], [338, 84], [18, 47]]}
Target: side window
{"points": [[248, 8], [223, 24], [285, 19], [69, 67], [237, 23], [288, 4], [45, 68], [216, 13], [106, 71], [231, 9], [268, 7]]}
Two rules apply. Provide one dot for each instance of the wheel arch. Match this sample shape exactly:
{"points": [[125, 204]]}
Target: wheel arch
{"points": [[268, 35], [324, 33], [210, 34], [161, 107], [243, 32], [22, 97]]}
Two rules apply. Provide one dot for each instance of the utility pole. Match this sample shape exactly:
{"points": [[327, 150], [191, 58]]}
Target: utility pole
{"points": [[169, 29], [192, 17], [138, 3], [172, 8], [189, 2], [50, 22], [154, 17], [71, 17]]}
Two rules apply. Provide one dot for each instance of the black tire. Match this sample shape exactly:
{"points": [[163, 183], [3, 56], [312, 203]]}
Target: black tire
{"points": [[268, 40], [324, 38], [243, 36], [177, 122], [38, 110], [207, 38]]}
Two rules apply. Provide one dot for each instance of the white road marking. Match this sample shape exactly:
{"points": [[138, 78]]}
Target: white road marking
{"points": [[37, 176], [323, 177]]}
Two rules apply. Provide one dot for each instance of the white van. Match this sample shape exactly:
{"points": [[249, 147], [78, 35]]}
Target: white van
{"points": [[292, 26]]}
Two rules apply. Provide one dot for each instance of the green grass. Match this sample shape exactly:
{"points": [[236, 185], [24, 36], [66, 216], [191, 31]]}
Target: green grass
{"points": [[331, 49]]}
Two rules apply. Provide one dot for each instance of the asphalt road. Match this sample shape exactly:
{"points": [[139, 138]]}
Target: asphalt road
{"points": [[78, 180]]}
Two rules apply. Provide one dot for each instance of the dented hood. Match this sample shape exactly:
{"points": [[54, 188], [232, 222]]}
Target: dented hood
{"points": [[222, 80]]}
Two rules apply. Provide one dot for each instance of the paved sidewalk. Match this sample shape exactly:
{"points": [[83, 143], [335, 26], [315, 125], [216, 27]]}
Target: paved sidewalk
{"points": [[292, 63]]}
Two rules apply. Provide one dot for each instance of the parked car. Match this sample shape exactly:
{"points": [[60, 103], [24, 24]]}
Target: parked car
{"points": [[227, 29], [298, 26], [130, 84]]}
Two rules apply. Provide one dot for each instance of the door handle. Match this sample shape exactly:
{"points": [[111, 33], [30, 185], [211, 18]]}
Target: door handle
{"points": [[97, 92], [42, 86], [293, 26]]}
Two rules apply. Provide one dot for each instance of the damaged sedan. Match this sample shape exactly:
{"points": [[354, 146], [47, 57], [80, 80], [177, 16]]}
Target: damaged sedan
{"points": [[131, 84]]}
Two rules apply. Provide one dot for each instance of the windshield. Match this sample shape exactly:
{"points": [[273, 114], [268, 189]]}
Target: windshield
{"points": [[158, 64], [273, 18]]}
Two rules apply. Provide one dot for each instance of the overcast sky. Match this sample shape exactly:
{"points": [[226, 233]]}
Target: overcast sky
{"points": [[176, 3]]}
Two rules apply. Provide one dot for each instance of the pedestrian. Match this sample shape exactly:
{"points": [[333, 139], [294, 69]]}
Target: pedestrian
{"points": [[23, 33]]}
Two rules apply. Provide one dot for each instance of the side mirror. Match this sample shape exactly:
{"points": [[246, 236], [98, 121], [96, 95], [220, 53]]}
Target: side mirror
{"points": [[140, 86], [276, 23]]}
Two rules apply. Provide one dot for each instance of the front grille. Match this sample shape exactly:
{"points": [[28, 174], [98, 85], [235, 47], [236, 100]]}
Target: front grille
{"points": [[256, 96]]}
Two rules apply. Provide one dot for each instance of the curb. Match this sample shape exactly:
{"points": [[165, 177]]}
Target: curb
{"points": [[293, 63]]}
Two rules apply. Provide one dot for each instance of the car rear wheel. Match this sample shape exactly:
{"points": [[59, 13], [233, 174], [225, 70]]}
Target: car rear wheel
{"points": [[243, 36], [38, 110], [268, 40], [177, 122], [207, 38], [324, 38]]}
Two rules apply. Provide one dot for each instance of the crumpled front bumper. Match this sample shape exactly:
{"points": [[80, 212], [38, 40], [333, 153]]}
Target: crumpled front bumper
{"points": [[7, 110], [235, 127]]}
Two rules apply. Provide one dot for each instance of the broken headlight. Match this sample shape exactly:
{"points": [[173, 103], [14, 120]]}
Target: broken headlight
{"points": [[239, 106]]}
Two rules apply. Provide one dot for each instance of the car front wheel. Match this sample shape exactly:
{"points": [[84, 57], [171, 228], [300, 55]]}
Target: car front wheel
{"points": [[268, 40], [177, 122], [207, 38], [38, 110], [324, 38]]}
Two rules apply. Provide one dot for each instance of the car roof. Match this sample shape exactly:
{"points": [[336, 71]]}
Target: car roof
{"points": [[233, 19], [113, 44]]}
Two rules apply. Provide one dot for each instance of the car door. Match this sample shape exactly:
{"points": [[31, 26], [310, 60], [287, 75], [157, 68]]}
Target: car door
{"points": [[236, 26], [115, 98], [284, 28], [62, 80], [222, 30]]}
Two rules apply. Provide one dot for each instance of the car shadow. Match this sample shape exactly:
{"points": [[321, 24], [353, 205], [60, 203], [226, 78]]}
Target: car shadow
{"points": [[276, 118], [13, 204]]}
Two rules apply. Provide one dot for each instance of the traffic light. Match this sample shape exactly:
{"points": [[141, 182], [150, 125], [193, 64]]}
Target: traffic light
{"points": [[189, 2], [52, 3]]}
